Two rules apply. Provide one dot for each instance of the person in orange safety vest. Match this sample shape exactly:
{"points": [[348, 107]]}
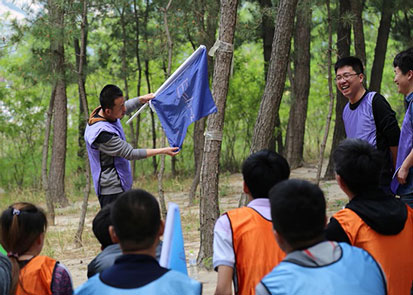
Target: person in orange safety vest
{"points": [[245, 248], [22, 228], [373, 220]]}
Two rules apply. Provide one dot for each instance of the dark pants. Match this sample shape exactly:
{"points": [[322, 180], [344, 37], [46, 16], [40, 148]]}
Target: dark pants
{"points": [[107, 199]]}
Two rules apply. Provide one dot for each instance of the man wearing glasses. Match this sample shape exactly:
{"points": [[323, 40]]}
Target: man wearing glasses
{"points": [[368, 115]]}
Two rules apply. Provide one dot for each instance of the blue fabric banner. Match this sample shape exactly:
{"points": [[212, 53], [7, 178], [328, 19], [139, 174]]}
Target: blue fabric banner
{"points": [[185, 100], [173, 252]]}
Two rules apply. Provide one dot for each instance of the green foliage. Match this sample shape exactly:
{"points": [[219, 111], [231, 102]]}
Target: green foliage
{"points": [[26, 81], [402, 29], [244, 96]]}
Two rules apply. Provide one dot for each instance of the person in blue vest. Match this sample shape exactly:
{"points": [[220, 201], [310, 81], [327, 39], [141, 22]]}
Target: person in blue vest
{"points": [[314, 265], [137, 227], [402, 185], [108, 151], [368, 115]]}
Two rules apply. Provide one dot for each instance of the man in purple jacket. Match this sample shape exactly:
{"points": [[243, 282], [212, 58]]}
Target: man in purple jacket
{"points": [[368, 115], [108, 151], [402, 185]]}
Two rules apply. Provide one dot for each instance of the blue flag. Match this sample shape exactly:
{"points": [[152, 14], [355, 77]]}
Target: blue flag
{"points": [[173, 252], [185, 99]]}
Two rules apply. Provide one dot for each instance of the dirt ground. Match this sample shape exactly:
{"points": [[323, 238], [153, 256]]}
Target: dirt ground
{"points": [[59, 241]]}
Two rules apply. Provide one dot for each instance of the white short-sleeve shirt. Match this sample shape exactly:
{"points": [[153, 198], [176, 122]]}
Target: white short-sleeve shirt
{"points": [[223, 246]]}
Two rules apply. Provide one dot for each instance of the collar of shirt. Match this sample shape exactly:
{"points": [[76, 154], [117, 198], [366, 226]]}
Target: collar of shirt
{"points": [[262, 205], [132, 271], [321, 254], [409, 97]]}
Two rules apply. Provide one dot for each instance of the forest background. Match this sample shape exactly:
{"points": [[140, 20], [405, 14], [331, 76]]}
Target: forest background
{"points": [[54, 63]]}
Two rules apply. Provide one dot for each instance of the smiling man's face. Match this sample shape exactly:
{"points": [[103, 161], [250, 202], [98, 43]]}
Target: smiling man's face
{"points": [[403, 80], [349, 82]]}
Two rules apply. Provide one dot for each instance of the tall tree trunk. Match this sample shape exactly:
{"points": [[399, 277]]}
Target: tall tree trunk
{"points": [[154, 163], [343, 49], [381, 45], [359, 43], [267, 34], [274, 88], [81, 64], [125, 74], [199, 139], [138, 86], [208, 39], [173, 165], [45, 155], [168, 73], [300, 86], [56, 185], [81, 152], [330, 92], [145, 35], [209, 209], [267, 31]]}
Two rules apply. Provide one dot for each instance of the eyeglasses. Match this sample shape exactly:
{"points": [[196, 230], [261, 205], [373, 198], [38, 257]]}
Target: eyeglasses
{"points": [[345, 76]]}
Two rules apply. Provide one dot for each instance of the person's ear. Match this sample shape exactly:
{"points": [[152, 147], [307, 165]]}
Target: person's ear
{"points": [[340, 182], [361, 77], [161, 228], [344, 187], [280, 241], [246, 189], [40, 239], [410, 75], [113, 235]]}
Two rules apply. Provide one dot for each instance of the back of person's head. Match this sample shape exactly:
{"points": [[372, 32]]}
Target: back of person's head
{"points": [[351, 61], [262, 170], [100, 226], [298, 211], [108, 95], [136, 219], [404, 61], [20, 226], [359, 164]]}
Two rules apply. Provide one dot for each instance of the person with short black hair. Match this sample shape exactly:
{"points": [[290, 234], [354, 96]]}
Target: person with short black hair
{"points": [[314, 265], [108, 151], [402, 185], [244, 246], [110, 250], [368, 115], [372, 220], [137, 227]]}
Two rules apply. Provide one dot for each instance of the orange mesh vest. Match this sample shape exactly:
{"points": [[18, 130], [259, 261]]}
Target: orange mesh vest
{"points": [[393, 252], [36, 277], [256, 250]]}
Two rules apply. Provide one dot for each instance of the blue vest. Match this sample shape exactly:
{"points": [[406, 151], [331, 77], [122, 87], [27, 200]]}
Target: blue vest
{"points": [[356, 272], [359, 123], [404, 149], [122, 165], [171, 283]]}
